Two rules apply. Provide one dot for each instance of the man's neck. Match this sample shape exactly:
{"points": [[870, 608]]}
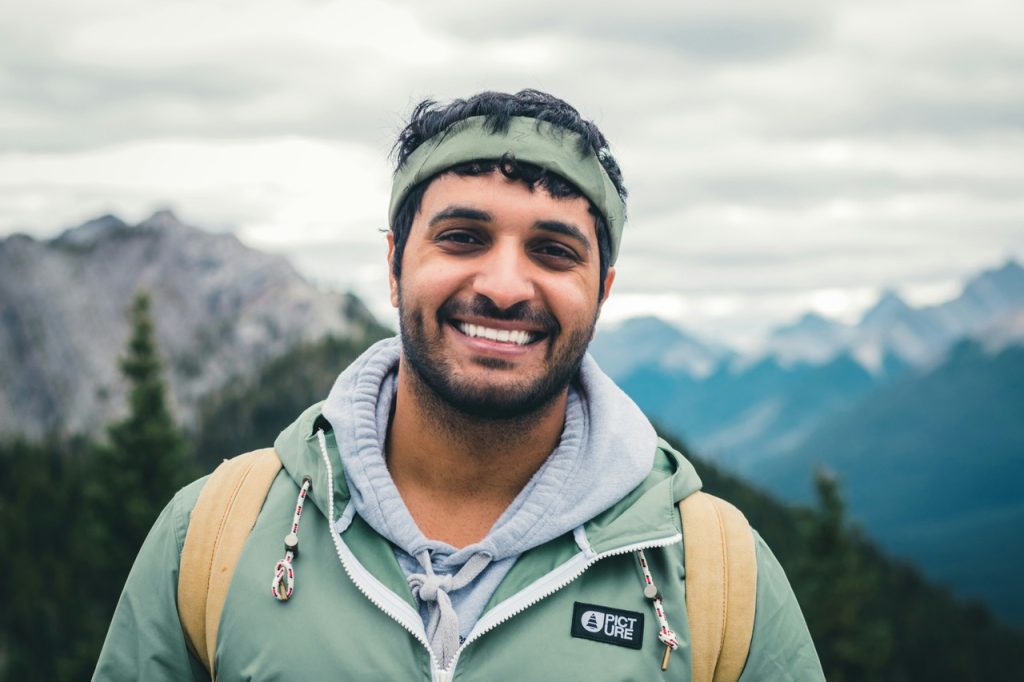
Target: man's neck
{"points": [[456, 473]]}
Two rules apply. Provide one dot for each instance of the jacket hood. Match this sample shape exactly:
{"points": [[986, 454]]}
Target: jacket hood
{"points": [[607, 456]]}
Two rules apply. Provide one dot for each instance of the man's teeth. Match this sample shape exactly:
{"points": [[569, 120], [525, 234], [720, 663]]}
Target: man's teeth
{"points": [[517, 337]]}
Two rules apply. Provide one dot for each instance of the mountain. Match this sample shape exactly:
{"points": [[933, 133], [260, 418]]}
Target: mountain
{"points": [[219, 309], [745, 410], [932, 466], [894, 329], [985, 299], [1008, 331], [744, 417], [653, 342], [811, 339]]}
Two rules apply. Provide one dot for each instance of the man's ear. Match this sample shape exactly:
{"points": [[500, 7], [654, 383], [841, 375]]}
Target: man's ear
{"points": [[609, 279], [392, 280]]}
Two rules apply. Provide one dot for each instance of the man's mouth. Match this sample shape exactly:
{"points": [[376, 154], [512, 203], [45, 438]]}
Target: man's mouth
{"points": [[520, 337]]}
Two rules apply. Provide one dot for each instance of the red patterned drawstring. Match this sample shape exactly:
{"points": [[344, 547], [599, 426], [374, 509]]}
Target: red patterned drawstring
{"points": [[666, 634], [284, 574]]}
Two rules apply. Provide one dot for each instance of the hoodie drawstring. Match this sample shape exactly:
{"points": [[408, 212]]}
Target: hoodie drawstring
{"points": [[432, 590], [284, 574], [666, 634]]}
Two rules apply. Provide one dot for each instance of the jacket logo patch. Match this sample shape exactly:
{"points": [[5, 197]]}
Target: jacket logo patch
{"points": [[608, 625]]}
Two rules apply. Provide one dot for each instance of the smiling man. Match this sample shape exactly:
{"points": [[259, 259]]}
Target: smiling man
{"points": [[488, 505]]}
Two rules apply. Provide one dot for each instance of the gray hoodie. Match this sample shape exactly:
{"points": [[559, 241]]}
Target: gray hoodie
{"points": [[606, 449]]}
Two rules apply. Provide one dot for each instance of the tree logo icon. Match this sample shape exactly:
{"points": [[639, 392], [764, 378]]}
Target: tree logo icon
{"points": [[592, 621]]}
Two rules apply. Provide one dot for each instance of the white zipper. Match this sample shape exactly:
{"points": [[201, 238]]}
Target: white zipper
{"points": [[405, 615], [384, 599], [399, 610], [546, 585]]}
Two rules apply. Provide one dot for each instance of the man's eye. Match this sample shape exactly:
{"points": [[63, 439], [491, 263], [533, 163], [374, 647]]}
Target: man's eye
{"points": [[557, 252], [458, 238]]}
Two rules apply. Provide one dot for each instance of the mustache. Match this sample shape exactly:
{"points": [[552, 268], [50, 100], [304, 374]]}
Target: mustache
{"points": [[481, 306]]}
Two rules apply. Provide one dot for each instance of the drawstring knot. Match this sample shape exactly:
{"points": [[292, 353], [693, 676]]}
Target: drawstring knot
{"points": [[666, 635], [284, 573], [432, 589], [428, 588]]}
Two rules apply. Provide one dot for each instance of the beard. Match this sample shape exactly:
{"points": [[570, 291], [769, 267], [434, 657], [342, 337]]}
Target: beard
{"points": [[425, 354]]}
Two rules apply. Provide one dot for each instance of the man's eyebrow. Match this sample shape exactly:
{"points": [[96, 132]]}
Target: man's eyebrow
{"points": [[461, 212], [565, 229]]}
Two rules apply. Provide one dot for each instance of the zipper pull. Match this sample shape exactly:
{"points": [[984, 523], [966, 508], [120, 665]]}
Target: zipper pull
{"points": [[664, 659]]}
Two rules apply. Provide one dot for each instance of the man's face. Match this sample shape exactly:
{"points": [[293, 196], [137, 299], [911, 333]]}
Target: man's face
{"points": [[499, 293]]}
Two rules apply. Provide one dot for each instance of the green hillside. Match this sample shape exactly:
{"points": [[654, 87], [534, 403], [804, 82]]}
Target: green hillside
{"points": [[932, 466], [250, 412]]}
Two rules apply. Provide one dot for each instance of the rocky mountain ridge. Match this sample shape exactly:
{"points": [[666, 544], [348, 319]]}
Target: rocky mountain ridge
{"points": [[918, 336], [220, 308]]}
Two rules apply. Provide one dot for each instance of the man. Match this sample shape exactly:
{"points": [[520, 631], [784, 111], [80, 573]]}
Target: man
{"points": [[488, 504]]}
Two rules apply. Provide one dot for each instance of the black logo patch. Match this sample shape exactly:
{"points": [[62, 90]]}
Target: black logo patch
{"points": [[605, 624]]}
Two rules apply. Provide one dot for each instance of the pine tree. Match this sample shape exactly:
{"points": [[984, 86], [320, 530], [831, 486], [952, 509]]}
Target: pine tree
{"points": [[132, 477], [839, 587], [40, 498]]}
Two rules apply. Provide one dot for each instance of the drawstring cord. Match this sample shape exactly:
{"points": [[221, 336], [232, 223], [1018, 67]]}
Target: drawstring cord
{"points": [[432, 589], [284, 573], [666, 634]]}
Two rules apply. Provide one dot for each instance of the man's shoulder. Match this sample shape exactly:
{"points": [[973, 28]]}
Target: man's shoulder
{"points": [[178, 513]]}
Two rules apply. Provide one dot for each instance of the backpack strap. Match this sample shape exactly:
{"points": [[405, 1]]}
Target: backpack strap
{"points": [[721, 586], [220, 524]]}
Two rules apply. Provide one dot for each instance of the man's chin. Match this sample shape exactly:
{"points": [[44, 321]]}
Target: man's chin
{"points": [[487, 390], [499, 406]]}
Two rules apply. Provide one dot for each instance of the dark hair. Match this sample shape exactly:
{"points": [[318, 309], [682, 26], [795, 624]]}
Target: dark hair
{"points": [[429, 118]]}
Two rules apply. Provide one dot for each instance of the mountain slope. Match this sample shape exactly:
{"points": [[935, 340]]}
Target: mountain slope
{"points": [[932, 466], [651, 341], [219, 308], [744, 417]]}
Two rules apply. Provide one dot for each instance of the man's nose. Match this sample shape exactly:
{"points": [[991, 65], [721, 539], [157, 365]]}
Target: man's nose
{"points": [[505, 277]]}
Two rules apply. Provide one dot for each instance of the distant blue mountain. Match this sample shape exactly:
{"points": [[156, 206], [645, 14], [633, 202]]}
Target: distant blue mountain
{"points": [[653, 342], [892, 328], [742, 411], [933, 466], [741, 418]]}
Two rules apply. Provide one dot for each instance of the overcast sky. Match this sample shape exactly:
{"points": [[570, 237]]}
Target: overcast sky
{"points": [[781, 155]]}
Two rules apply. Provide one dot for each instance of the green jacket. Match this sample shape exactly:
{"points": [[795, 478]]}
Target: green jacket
{"points": [[352, 616]]}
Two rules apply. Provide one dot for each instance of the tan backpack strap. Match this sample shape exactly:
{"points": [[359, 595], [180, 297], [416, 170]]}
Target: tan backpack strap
{"points": [[721, 586], [221, 522]]}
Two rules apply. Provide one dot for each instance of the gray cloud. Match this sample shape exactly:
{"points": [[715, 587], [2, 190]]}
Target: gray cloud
{"points": [[726, 106], [725, 31], [948, 115], [70, 105], [808, 188]]}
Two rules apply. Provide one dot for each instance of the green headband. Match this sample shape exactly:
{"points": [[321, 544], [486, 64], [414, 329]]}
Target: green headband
{"points": [[527, 139]]}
